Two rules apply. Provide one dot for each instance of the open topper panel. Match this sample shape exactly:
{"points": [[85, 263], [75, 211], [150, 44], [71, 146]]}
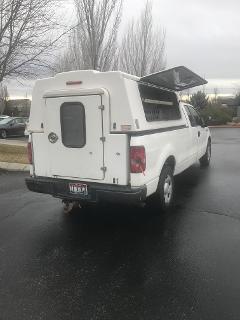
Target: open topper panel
{"points": [[176, 79]]}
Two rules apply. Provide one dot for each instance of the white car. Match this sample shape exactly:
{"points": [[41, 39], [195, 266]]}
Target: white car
{"points": [[2, 117], [110, 136]]}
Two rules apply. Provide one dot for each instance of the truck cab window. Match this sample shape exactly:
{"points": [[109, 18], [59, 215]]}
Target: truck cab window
{"points": [[194, 117], [190, 116]]}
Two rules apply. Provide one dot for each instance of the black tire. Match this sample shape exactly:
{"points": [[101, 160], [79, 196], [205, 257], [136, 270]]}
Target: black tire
{"points": [[3, 134], [164, 196], [205, 160]]}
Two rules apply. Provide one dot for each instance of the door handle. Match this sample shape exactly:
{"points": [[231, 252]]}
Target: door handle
{"points": [[199, 134]]}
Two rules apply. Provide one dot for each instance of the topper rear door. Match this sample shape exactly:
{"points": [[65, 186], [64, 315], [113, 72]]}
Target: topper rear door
{"points": [[74, 131]]}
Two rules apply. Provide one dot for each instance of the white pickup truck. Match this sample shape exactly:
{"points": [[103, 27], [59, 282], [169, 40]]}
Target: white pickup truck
{"points": [[109, 136]]}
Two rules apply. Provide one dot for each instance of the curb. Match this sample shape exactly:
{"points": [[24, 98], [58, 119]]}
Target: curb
{"points": [[14, 166]]}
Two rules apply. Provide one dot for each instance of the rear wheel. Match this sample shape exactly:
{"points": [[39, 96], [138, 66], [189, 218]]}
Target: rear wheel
{"points": [[3, 134], [205, 160], [163, 198]]}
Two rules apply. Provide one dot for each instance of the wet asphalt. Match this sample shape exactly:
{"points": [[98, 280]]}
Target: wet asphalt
{"points": [[125, 263]]}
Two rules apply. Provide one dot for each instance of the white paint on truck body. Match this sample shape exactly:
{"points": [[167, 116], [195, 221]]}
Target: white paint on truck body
{"points": [[115, 120]]}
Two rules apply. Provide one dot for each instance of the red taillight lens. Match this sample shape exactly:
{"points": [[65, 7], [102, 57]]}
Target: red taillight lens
{"points": [[29, 149], [137, 159]]}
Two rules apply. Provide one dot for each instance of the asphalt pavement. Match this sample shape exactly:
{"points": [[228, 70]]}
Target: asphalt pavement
{"points": [[125, 263]]}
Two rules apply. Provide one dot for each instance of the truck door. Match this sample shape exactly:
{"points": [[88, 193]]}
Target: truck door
{"points": [[197, 131], [74, 134], [203, 133]]}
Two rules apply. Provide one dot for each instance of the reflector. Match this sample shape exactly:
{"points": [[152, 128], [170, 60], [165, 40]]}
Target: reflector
{"points": [[70, 83]]}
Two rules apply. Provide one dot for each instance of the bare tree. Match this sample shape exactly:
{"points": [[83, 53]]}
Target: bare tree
{"points": [[26, 36], [93, 43], [143, 46], [3, 97]]}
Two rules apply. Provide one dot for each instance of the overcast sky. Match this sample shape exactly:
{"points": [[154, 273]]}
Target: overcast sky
{"points": [[203, 35]]}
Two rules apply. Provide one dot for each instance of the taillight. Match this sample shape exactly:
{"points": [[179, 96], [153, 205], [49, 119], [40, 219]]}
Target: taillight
{"points": [[29, 149], [137, 159]]}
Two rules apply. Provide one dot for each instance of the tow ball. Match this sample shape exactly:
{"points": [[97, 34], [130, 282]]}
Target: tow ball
{"points": [[68, 206]]}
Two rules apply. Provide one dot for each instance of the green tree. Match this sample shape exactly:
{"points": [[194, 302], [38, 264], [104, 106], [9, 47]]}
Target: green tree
{"points": [[199, 100]]}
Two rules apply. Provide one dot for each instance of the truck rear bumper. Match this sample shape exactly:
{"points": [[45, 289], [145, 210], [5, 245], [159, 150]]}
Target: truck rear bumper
{"points": [[97, 192]]}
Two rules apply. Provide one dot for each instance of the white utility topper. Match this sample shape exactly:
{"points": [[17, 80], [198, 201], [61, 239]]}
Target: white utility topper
{"points": [[109, 136]]}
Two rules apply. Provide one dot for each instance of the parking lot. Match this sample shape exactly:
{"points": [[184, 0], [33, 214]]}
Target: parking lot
{"points": [[126, 263]]}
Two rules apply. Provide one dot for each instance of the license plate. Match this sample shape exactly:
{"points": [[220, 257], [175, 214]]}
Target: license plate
{"points": [[78, 189]]}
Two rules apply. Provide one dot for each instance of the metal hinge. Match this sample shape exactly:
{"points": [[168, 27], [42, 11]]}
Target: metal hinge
{"points": [[101, 107], [103, 139], [104, 169]]}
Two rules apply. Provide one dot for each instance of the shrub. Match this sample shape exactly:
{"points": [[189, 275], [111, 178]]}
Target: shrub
{"points": [[216, 115]]}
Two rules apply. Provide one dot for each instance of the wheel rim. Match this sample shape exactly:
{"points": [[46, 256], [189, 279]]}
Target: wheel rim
{"points": [[209, 152], [4, 134], [168, 189]]}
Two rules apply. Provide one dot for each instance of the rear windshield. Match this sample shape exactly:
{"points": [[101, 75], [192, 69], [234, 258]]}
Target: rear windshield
{"points": [[158, 104], [73, 124]]}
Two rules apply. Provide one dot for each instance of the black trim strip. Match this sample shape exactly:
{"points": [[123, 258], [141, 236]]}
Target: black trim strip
{"points": [[72, 95], [151, 131]]}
